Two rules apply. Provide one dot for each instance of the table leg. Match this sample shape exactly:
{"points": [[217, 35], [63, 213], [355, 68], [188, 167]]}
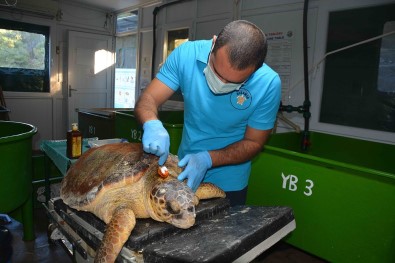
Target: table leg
{"points": [[47, 186]]}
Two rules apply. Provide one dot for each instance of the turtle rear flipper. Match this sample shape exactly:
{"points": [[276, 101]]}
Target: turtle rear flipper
{"points": [[209, 190], [117, 232]]}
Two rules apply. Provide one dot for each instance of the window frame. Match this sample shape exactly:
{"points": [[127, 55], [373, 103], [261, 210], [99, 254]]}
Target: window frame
{"points": [[45, 73], [319, 47], [124, 34]]}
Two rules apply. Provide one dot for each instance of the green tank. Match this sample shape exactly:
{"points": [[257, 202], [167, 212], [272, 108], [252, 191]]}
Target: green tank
{"points": [[127, 127], [16, 173], [342, 191]]}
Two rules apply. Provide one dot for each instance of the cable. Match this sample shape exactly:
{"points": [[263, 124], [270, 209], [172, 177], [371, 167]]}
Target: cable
{"points": [[8, 4], [306, 104], [316, 65], [155, 12]]}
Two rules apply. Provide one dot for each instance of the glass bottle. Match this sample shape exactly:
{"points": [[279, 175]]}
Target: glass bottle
{"points": [[74, 142]]}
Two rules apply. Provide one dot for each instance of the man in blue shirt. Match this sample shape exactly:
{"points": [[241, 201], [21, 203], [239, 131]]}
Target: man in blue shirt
{"points": [[231, 99]]}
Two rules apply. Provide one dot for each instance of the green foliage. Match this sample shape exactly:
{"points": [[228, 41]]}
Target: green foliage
{"points": [[20, 49]]}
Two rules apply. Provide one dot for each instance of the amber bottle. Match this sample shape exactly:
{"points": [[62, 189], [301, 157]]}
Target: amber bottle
{"points": [[74, 142]]}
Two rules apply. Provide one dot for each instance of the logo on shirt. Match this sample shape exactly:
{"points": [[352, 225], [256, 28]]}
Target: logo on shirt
{"points": [[241, 99]]}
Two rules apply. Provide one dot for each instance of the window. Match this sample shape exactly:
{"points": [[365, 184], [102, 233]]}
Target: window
{"points": [[359, 87], [127, 22], [24, 57], [126, 57], [176, 38]]}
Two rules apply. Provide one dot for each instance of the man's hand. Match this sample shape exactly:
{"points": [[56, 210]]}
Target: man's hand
{"points": [[156, 140], [197, 166]]}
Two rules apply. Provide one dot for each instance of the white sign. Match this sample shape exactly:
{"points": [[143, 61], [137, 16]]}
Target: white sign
{"points": [[125, 83]]}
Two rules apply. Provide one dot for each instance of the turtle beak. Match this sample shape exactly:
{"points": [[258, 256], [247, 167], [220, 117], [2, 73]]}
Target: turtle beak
{"points": [[175, 203], [185, 219]]}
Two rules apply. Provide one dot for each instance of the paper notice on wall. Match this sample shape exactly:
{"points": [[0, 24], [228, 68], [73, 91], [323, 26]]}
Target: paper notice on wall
{"points": [[124, 96], [279, 57]]}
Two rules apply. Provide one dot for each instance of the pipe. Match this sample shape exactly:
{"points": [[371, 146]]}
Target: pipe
{"points": [[281, 117], [305, 108], [155, 12], [306, 103]]}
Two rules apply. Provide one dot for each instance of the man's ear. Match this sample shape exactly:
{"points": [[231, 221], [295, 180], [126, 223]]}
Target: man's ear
{"points": [[213, 41]]}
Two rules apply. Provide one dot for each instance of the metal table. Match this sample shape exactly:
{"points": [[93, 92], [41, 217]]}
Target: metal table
{"points": [[221, 233]]}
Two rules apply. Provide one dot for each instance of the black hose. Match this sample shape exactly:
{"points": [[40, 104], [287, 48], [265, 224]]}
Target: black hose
{"points": [[305, 108], [306, 103], [155, 12]]}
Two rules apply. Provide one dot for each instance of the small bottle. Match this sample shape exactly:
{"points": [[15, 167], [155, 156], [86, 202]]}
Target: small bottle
{"points": [[74, 142]]}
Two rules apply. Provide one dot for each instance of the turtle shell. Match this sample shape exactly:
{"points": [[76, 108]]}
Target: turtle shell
{"points": [[119, 183], [106, 167]]}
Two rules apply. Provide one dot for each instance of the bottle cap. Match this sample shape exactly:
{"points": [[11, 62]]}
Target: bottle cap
{"points": [[74, 126]]}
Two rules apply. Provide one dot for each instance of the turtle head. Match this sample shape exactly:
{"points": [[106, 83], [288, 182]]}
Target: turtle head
{"points": [[174, 202]]}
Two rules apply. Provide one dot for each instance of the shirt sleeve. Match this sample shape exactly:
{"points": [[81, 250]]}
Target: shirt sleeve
{"points": [[265, 114], [169, 72]]}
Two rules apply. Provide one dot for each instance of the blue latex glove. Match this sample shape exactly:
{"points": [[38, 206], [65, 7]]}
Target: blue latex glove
{"points": [[156, 140], [197, 166]]}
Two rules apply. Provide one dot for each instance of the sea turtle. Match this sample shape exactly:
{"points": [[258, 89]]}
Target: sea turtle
{"points": [[119, 183]]}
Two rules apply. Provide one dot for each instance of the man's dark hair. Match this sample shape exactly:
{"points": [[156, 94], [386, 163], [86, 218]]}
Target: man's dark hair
{"points": [[246, 44]]}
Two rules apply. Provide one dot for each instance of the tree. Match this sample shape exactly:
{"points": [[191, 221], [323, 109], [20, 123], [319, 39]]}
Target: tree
{"points": [[20, 49]]}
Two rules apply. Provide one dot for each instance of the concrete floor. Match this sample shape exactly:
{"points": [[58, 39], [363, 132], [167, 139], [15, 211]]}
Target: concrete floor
{"points": [[41, 251]]}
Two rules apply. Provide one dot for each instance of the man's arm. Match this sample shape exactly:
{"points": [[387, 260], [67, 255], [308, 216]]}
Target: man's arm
{"points": [[241, 151], [156, 139], [197, 164], [152, 97]]}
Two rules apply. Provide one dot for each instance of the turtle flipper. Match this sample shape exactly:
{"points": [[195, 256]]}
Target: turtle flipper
{"points": [[209, 190], [117, 232]]}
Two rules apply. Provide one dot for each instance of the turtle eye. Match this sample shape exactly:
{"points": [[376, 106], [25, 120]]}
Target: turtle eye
{"points": [[158, 191], [191, 209], [173, 207]]}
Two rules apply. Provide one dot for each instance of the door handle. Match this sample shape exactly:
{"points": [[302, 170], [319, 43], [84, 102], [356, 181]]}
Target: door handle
{"points": [[70, 89]]}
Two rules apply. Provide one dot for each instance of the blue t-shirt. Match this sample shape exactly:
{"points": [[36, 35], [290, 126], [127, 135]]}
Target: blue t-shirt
{"points": [[213, 121]]}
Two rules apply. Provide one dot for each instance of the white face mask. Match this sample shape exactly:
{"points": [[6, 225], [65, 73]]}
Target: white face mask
{"points": [[216, 85]]}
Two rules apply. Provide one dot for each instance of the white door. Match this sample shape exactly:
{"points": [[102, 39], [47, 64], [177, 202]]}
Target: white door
{"points": [[90, 66]]}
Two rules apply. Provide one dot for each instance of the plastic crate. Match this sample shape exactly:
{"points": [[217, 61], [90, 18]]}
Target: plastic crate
{"points": [[342, 192], [127, 126]]}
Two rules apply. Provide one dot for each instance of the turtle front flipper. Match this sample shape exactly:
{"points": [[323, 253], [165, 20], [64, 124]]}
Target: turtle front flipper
{"points": [[209, 190], [117, 232]]}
